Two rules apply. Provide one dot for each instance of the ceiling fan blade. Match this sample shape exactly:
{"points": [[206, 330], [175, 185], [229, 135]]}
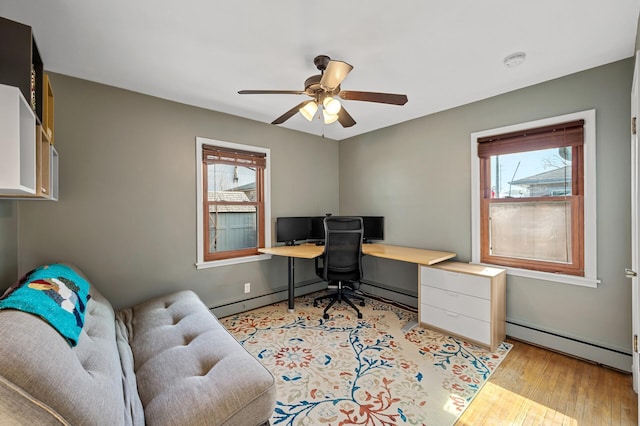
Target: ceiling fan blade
{"points": [[345, 118], [333, 75], [383, 98], [287, 115], [271, 92]]}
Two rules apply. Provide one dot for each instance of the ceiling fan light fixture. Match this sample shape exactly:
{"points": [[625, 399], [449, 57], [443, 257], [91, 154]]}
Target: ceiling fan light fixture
{"points": [[324, 91], [333, 74], [309, 110], [329, 118], [331, 105]]}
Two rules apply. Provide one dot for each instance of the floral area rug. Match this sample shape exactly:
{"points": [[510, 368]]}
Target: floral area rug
{"points": [[350, 371]]}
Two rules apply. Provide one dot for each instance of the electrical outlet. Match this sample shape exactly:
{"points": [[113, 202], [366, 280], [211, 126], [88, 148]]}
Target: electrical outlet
{"points": [[247, 287]]}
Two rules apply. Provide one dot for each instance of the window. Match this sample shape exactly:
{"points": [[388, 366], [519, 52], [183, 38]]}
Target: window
{"points": [[531, 208], [233, 202]]}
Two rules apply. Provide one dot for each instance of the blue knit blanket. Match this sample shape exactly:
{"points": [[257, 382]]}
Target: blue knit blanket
{"points": [[57, 294]]}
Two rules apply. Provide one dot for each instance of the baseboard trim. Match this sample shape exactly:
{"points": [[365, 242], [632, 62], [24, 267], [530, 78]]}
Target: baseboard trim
{"points": [[389, 292], [279, 294], [570, 346]]}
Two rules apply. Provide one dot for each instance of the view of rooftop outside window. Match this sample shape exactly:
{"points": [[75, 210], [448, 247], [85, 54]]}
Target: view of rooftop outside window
{"points": [[232, 210], [531, 174]]}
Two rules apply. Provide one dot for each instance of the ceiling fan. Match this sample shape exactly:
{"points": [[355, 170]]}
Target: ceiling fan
{"points": [[324, 88]]}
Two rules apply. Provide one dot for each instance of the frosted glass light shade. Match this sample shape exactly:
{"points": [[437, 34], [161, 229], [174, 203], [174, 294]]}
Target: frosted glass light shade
{"points": [[331, 105], [309, 110], [329, 118]]}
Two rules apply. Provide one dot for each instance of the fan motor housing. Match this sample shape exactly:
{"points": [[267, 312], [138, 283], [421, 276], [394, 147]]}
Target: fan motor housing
{"points": [[313, 89], [321, 62], [312, 83]]}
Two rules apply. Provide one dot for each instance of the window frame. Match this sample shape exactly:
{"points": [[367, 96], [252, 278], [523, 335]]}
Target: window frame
{"points": [[264, 233], [588, 202], [530, 140]]}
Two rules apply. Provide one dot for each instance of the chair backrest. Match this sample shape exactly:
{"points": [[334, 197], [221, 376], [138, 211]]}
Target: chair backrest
{"points": [[342, 257]]}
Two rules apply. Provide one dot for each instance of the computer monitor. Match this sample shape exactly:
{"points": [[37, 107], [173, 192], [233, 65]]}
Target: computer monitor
{"points": [[317, 228], [292, 229], [373, 228]]}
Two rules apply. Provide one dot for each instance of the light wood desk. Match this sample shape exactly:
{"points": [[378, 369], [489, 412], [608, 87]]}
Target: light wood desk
{"points": [[311, 251]]}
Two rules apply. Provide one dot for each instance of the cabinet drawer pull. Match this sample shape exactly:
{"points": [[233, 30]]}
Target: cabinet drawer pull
{"points": [[452, 314]]}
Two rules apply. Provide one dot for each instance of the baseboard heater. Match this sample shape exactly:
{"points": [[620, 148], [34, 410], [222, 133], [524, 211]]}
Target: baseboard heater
{"points": [[280, 293], [406, 297], [277, 295], [602, 355]]}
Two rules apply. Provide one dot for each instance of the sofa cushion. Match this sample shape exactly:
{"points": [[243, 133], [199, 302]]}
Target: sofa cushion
{"points": [[190, 370]]}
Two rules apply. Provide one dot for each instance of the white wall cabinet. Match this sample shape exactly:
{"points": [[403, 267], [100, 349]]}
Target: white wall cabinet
{"points": [[28, 161], [464, 300], [17, 144]]}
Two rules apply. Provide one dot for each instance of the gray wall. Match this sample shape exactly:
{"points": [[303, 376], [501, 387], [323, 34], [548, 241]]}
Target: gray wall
{"points": [[8, 243], [127, 209], [417, 175], [638, 34]]}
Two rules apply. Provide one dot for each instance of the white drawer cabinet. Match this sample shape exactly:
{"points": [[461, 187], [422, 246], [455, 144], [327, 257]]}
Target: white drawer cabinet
{"points": [[464, 300]]}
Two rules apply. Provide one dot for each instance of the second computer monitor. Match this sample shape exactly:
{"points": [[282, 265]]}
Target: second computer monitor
{"points": [[292, 229], [373, 228], [317, 228]]}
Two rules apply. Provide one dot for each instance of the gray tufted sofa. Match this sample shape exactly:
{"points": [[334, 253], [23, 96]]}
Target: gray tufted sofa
{"points": [[164, 362]]}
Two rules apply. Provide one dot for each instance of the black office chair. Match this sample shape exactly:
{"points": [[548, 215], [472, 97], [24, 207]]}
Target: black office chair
{"points": [[341, 261]]}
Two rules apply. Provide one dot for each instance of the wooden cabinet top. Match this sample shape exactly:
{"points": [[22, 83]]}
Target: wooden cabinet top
{"points": [[468, 268]]}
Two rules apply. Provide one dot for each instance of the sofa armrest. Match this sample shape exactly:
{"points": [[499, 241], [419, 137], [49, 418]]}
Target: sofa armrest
{"points": [[74, 385]]}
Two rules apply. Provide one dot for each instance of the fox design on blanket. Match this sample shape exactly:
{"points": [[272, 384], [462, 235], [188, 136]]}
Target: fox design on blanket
{"points": [[57, 293], [64, 292]]}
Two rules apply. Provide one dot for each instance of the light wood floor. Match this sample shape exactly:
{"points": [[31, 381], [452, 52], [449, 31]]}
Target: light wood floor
{"points": [[534, 386]]}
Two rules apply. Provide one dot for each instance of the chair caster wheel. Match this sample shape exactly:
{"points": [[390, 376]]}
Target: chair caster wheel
{"points": [[359, 315], [315, 304], [325, 316], [362, 303]]}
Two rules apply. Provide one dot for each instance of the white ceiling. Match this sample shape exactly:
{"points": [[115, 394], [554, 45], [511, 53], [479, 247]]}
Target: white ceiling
{"points": [[440, 53]]}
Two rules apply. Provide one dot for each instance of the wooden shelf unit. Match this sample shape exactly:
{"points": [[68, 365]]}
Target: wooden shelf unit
{"points": [[44, 176], [47, 109]]}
